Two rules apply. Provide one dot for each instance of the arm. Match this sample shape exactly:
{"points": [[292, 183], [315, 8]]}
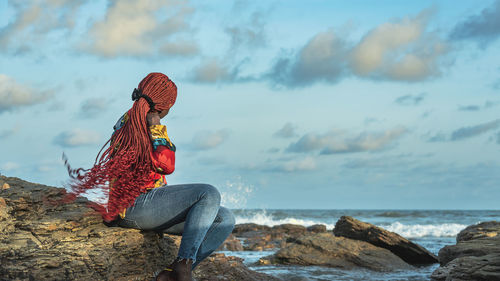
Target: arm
{"points": [[163, 155]]}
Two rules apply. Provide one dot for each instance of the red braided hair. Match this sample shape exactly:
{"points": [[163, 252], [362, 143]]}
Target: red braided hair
{"points": [[125, 167]]}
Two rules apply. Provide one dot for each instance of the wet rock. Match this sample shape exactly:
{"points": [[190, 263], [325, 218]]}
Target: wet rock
{"points": [[324, 249], [481, 230], [260, 237], [231, 244], [209, 270], [410, 252], [39, 241], [476, 256], [317, 228], [249, 229]]}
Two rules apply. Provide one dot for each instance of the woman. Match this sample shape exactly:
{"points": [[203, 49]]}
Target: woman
{"points": [[132, 171]]}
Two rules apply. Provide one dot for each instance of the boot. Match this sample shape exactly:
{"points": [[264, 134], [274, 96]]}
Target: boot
{"points": [[165, 275], [180, 271]]}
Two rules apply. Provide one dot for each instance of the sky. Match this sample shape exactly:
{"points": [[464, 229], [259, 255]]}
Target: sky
{"points": [[281, 104]]}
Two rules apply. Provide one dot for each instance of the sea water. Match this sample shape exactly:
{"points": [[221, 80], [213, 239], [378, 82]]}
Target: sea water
{"points": [[433, 229]]}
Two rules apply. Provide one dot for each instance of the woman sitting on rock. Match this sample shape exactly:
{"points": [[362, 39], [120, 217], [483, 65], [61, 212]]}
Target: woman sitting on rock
{"points": [[132, 171]]}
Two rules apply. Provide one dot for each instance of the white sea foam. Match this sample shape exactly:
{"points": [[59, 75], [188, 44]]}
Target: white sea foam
{"points": [[426, 230], [264, 219], [405, 230]]}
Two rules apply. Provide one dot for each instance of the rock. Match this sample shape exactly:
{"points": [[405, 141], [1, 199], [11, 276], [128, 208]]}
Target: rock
{"points": [[410, 252], [317, 228], [5, 186], [260, 237], [231, 244], [210, 270], [249, 229], [324, 249], [39, 241], [481, 230], [470, 268], [477, 247], [292, 230], [476, 256]]}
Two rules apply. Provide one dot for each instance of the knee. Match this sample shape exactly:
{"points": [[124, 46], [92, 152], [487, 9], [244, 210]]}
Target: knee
{"points": [[227, 217], [209, 192]]}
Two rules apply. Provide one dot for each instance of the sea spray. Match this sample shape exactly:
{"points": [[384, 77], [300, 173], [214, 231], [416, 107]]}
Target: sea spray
{"points": [[426, 230], [235, 193], [412, 228]]}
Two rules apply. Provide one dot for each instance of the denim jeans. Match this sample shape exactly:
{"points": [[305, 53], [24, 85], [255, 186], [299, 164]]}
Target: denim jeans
{"points": [[190, 210]]}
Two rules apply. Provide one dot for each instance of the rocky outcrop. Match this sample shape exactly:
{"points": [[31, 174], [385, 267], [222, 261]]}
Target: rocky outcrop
{"points": [[231, 244], [39, 241], [260, 237], [487, 229], [233, 268], [408, 251], [317, 228], [324, 249], [476, 256]]}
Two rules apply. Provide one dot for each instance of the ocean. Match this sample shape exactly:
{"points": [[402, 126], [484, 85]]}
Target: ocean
{"points": [[433, 229]]}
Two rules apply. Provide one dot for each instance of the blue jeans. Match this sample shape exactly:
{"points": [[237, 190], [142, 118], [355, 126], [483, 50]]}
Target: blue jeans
{"points": [[192, 210]]}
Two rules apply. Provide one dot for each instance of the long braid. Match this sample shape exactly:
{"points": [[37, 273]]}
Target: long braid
{"points": [[124, 168]]}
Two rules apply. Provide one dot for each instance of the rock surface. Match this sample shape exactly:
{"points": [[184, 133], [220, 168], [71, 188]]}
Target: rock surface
{"points": [[211, 268], [408, 251], [39, 241], [260, 237], [231, 244], [324, 249], [476, 256]]}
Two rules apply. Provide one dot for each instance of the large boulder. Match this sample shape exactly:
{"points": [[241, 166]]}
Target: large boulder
{"points": [[482, 230], [324, 249], [39, 241], [260, 237], [233, 268], [410, 252], [476, 256]]}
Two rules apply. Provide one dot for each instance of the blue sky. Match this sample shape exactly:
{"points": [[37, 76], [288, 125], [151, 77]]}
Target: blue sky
{"points": [[281, 104]]}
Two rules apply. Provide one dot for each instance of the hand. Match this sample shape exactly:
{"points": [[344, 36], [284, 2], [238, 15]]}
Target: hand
{"points": [[153, 118]]}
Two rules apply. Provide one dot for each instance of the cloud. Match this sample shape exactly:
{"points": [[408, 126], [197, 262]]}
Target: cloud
{"points": [[290, 166], [439, 137], [211, 71], [487, 104], [472, 131], [410, 100], [498, 138], [401, 50], [335, 142], [288, 131], [273, 150], [485, 27], [469, 108], [9, 166], [144, 28], [77, 137], [249, 34], [93, 107], [34, 22], [205, 140], [321, 59], [9, 132], [284, 165], [14, 95], [180, 48]]}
